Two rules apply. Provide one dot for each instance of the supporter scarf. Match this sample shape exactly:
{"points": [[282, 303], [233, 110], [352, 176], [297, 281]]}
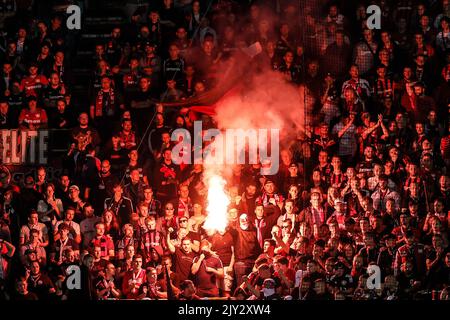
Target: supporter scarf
{"points": [[384, 88], [99, 103], [59, 70], [265, 197]]}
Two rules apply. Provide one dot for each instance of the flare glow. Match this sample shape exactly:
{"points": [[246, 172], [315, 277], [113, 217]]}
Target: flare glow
{"points": [[218, 202]]}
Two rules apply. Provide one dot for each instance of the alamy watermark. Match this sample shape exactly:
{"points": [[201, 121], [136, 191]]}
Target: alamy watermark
{"points": [[74, 19], [374, 280], [230, 146], [374, 18]]}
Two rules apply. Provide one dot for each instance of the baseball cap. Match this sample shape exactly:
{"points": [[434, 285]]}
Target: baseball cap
{"points": [[339, 200], [74, 187]]}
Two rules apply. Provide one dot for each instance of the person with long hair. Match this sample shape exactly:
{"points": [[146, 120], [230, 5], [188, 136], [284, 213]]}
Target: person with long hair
{"points": [[111, 225]]}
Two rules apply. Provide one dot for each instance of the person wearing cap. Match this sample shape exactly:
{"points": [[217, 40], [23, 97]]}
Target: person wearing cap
{"points": [[76, 202], [340, 213], [270, 197], [150, 58], [33, 117]]}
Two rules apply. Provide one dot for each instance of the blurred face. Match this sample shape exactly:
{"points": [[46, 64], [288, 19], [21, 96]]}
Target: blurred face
{"points": [[134, 175], [190, 71], [137, 263], [22, 287], [233, 213], [100, 229], [336, 162], [118, 190], [186, 245], [99, 50], [173, 52], [383, 184], [289, 57], [151, 224], [148, 194], [293, 191], [50, 191], [108, 216], [368, 152], [266, 246], [105, 167], [438, 206], [144, 83], [35, 268], [32, 105], [130, 251], [181, 33], [33, 218], [315, 201], [349, 95], [64, 233], [269, 188], [134, 63], [313, 68], [169, 209], [259, 211], [354, 72], [184, 192], [83, 119], [106, 83], [289, 207], [208, 47], [61, 105]]}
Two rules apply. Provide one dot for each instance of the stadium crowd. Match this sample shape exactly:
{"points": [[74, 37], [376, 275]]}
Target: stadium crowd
{"points": [[365, 184]]}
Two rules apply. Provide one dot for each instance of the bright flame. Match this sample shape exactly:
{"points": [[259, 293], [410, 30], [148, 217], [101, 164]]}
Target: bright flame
{"points": [[218, 201]]}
